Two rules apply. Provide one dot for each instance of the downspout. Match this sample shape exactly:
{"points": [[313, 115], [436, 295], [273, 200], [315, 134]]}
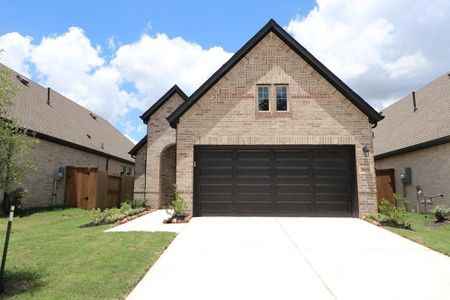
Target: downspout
{"points": [[107, 164], [54, 192]]}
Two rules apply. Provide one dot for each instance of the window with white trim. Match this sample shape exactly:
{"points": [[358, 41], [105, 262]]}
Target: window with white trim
{"points": [[263, 98], [281, 97]]}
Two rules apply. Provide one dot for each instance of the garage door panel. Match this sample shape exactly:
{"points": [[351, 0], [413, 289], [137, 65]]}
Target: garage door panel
{"points": [[298, 188], [296, 172], [332, 189], [256, 207], [216, 207], [294, 197], [253, 155], [290, 208], [253, 172], [331, 172], [255, 189], [211, 189], [287, 154], [208, 172], [272, 180], [299, 163], [332, 206]]}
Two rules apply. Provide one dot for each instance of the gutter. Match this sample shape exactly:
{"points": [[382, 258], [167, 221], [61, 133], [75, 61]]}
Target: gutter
{"points": [[427, 144]]}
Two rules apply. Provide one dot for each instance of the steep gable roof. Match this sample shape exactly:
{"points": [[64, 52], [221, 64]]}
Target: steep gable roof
{"points": [[175, 89], [272, 26], [405, 129], [62, 121]]}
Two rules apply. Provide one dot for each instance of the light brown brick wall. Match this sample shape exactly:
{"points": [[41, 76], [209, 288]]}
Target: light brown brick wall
{"points": [[139, 173], [160, 136], [48, 156], [318, 114], [167, 169], [430, 168]]}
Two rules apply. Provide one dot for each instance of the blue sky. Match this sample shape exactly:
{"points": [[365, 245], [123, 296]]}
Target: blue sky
{"points": [[117, 57]]}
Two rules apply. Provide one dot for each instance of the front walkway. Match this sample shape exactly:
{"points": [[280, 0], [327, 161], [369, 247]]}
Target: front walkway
{"points": [[294, 258]]}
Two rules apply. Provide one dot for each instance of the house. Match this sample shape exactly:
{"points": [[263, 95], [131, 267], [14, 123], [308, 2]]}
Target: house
{"points": [[69, 135], [415, 138], [272, 132]]}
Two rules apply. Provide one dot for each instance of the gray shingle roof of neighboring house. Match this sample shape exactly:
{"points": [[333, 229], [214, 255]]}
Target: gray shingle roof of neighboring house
{"points": [[404, 129], [64, 121]]}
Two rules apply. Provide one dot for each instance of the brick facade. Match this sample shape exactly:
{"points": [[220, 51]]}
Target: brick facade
{"points": [[429, 168], [318, 115], [140, 180], [159, 136], [47, 157], [167, 169]]}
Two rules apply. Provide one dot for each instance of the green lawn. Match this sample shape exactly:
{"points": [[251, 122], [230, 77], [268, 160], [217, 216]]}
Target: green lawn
{"points": [[50, 257], [436, 237]]}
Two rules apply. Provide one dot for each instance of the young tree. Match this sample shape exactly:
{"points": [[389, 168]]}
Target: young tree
{"points": [[15, 142]]}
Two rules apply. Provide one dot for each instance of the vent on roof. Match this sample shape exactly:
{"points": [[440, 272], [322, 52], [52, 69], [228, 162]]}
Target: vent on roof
{"points": [[414, 100], [93, 116], [103, 146], [48, 96], [89, 137], [23, 79]]}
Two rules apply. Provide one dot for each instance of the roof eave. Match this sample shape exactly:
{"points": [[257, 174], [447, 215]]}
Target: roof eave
{"points": [[138, 146], [173, 90]]}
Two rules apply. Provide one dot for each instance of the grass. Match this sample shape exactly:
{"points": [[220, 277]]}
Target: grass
{"points": [[51, 257], [425, 232]]}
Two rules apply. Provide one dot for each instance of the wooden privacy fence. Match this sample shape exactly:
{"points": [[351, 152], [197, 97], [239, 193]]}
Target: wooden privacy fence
{"points": [[385, 184], [92, 188]]}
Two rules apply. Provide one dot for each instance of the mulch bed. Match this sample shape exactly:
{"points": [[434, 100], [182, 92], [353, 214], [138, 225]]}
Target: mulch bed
{"points": [[177, 220], [120, 222], [437, 223], [130, 218]]}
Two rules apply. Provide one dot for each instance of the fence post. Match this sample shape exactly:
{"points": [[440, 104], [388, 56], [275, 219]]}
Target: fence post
{"points": [[5, 248]]}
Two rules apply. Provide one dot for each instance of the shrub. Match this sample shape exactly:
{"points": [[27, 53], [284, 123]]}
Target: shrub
{"points": [[16, 198], [393, 215], [136, 203], [177, 205], [112, 215], [441, 213]]}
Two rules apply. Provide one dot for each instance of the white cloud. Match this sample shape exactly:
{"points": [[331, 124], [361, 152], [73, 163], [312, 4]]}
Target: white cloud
{"points": [[154, 64], [72, 65], [383, 49], [16, 51]]}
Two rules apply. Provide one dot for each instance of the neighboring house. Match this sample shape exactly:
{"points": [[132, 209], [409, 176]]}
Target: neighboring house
{"points": [[69, 135], [416, 134], [272, 132]]}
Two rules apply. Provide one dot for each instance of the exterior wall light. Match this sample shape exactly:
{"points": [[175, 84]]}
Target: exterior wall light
{"points": [[366, 151]]}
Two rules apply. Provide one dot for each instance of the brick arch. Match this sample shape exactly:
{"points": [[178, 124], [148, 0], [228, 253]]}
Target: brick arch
{"points": [[167, 174]]}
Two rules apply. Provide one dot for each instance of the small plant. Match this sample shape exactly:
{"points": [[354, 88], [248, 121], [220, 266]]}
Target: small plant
{"points": [[441, 213], [112, 215], [177, 206], [392, 214], [16, 198], [137, 203]]}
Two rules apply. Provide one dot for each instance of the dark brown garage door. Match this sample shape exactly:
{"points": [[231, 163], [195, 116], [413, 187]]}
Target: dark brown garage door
{"points": [[274, 180]]}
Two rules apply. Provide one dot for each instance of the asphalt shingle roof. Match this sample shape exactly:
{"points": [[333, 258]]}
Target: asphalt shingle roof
{"points": [[65, 120], [403, 127]]}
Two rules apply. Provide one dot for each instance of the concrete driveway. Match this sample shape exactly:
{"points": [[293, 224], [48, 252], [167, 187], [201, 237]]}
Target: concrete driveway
{"points": [[294, 258]]}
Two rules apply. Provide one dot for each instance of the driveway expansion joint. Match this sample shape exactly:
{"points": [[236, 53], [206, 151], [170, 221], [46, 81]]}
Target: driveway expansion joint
{"points": [[305, 258]]}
